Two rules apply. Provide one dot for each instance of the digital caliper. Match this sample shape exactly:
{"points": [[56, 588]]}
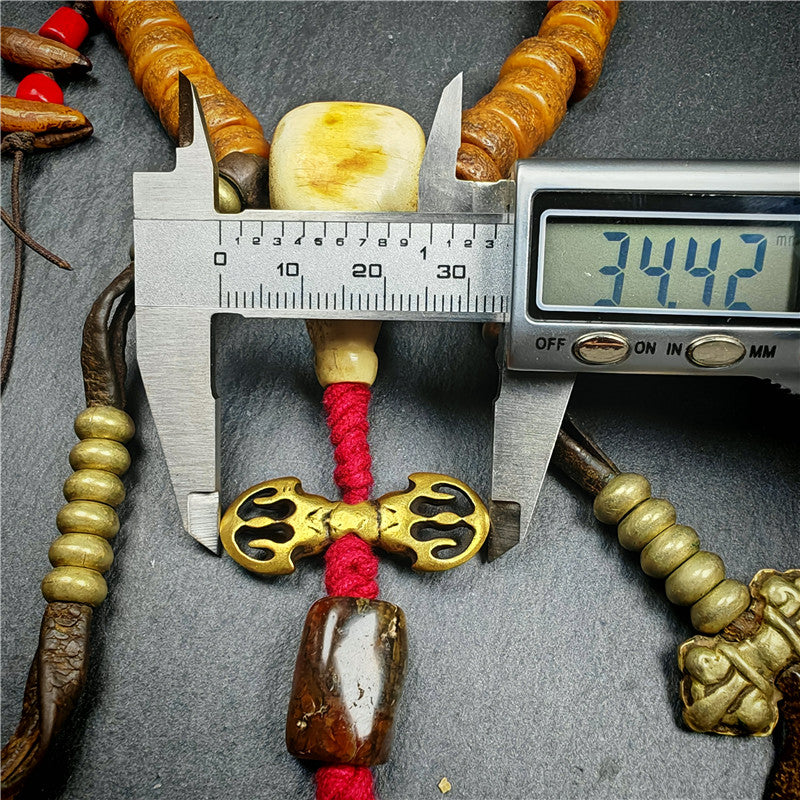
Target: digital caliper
{"points": [[652, 267]]}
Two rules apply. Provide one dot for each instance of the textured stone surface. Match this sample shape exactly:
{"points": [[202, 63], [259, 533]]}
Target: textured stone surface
{"points": [[347, 681], [192, 658]]}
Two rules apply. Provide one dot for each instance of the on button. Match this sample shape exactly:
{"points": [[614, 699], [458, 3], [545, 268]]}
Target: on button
{"points": [[601, 348], [715, 350]]}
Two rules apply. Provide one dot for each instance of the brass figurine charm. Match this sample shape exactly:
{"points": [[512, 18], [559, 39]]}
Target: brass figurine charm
{"points": [[728, 687], [296, 524], [731, 682]]}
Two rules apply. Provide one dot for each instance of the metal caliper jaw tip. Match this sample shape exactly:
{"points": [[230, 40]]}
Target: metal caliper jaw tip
{"points": [[505, 533], [203, 515], [440, 190]]}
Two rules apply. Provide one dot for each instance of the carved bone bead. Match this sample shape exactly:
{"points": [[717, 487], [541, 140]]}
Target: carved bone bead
{"points": [[354, 156], [347, 681]]}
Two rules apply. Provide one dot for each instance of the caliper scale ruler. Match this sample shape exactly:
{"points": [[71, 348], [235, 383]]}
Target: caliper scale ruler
{"points": [[353, 268]]}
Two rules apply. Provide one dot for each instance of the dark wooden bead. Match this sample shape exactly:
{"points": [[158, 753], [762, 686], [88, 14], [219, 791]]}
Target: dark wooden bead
{"points": [[249, 174], [347, 681]]}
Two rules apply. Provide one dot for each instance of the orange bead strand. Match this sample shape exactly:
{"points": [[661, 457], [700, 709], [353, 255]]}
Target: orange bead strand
{"points": [[158, 44], [562, 63]]}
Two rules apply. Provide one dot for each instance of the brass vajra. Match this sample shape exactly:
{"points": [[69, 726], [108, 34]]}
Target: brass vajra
{"points": [[729, 687], [294, 524]]}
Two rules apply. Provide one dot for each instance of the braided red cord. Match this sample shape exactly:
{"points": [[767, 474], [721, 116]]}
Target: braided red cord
{"points": [[350, 565], [343, 782], [346, 405]]}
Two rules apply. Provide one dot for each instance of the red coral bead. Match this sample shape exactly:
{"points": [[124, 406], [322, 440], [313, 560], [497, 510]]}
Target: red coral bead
{"points": [[66, 26], [40, 87]]}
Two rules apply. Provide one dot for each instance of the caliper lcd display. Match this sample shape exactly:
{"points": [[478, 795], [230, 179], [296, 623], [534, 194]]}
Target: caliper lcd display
{"points": [[719, 265]]}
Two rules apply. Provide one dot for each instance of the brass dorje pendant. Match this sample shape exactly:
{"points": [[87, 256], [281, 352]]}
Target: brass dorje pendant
{"points": [[285, 523]]}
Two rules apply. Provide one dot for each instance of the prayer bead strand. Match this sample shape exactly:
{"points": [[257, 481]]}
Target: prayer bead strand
{"points": [[693, 577], [82, 553]]}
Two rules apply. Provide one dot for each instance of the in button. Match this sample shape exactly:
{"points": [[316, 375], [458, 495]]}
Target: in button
{"points": [[601, 348], [715, 350]]}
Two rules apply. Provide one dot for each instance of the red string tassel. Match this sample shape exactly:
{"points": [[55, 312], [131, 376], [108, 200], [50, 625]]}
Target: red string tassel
{"points": [[351, 568]]}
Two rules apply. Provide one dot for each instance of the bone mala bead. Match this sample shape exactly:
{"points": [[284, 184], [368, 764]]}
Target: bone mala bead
{"points": [[158, 44], [529, 100], [694, 577]]}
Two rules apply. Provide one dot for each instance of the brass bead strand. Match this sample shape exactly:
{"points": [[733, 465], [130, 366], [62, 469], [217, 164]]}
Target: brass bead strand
{"points": [[89, 520], [671, 552]]}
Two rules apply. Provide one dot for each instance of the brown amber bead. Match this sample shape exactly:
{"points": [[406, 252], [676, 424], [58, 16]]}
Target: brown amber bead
{"points": [[347, 681]]}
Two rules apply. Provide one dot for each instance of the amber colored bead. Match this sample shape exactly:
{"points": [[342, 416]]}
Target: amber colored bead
{"points": [[347, 681], [42, 88], [66, 26]]}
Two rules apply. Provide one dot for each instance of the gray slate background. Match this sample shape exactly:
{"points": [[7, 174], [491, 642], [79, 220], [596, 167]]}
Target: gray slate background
{"points": [[549, 673]]}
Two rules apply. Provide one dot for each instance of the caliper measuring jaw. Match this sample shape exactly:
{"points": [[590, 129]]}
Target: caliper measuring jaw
{"points": [[528, 410], [173, 342], [178, 233]]}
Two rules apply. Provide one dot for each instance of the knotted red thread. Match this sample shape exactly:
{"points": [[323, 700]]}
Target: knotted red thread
{"points": [[346, 405], [350, 565], [343, 782]]}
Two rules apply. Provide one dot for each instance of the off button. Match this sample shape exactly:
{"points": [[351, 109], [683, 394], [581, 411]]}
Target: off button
{"points": [[601, 348], [715, 351]]}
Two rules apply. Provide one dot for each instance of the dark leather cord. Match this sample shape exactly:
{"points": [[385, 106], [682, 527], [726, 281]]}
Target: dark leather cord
{"points": [[784, 782], [18, 143], [55, 680], [104, 336], [580, 458], [58, 670]]}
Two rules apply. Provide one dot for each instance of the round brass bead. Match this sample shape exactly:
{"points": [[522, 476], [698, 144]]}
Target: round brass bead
{"points": [[104, 422], [94, 484], [227, 197], [81, 550], [669, 550], [695, 578], [645, 522], [74, 585], [720, 607], [100, 454], [85, 516], [621, 494]]}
